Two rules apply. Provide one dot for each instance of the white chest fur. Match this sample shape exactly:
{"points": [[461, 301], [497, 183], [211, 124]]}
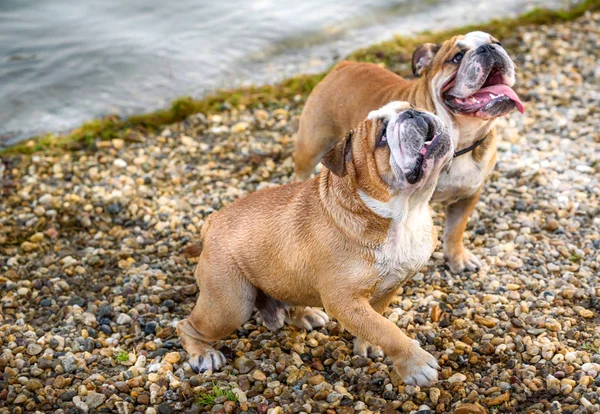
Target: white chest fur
{"points": [[461, 180], [409, 242], [407, 248]]}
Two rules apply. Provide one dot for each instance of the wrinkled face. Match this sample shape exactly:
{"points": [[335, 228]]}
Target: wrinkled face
{"points": [[403, 149], [472, 75]]}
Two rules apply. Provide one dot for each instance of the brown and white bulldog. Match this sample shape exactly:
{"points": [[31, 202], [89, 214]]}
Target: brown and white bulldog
{"points": [[344, 240], [466, 81]]}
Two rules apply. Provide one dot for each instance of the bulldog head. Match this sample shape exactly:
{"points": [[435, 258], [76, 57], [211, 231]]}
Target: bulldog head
{"points": [[470, 75], [396, 149]]}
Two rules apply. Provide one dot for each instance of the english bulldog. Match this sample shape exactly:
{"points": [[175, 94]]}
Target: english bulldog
{"points": [[344, 240], [467, 81]]}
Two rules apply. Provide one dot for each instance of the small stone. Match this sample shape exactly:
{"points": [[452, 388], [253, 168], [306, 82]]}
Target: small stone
{"points": [[165, 409], [94, 399], [150, 328], [172, 357], [33, 384], [316, 379], [21, 398], [229, 407], [487, 348], [502, 398], [551, 225], [47, 200], [117, 143], [69, 364], [436, 313], [28, 246], [239, 127], [458, 377], [468, 409], [244, 365], [123, 319], [591, 368], [434, 395], [258, 375], [586, 313], [34, 349], [488, 323], [37, 238]]}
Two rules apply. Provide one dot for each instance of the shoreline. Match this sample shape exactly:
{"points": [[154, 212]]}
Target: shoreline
{"points": [[395, 54]]}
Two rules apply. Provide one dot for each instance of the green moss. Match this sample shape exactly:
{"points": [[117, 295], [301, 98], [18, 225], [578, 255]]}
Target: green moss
{"points": [[395, 53]]}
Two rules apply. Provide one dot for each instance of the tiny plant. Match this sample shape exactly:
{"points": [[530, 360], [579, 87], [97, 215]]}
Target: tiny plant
{"points": [[222, 390], [122, 356], [590, 347]]}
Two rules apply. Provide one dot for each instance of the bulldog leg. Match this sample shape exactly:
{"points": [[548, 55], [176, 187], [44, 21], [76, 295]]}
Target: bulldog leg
{"points": [[224, 303], [364, 348], [306, 317], [275, 312], [415, 366], [457, 215]]}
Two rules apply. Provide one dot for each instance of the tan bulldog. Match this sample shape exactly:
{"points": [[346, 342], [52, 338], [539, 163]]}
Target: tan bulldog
{"points": [[344, 240], [466, 81]]}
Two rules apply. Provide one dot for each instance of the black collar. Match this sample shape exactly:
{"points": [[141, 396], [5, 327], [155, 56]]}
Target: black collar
{"points": [[469, 148]]}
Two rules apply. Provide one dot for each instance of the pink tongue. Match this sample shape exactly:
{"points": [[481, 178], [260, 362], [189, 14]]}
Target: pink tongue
{"points": [[503, 90]]}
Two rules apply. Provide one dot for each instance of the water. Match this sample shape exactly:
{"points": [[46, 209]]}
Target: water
{"points": [[63, 62]]}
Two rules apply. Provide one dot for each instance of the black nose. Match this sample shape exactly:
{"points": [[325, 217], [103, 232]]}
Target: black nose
{"points": [[411, 113], [484, 49]]}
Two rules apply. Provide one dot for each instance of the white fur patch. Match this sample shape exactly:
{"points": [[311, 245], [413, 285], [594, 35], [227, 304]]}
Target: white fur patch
{"points": [[409, 242], [475, 39], [389, 110], [393, 209], [463, 179]]}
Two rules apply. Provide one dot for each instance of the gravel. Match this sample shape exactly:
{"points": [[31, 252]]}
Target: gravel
{"points": [[96, 264]]}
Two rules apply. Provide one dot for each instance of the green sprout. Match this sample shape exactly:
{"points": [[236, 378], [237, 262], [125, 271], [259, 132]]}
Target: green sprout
{"points": [[122, 356], [208, 398]]}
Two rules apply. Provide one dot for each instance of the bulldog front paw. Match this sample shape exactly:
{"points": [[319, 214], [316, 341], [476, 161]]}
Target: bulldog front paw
{"points": [[210, 360], [307, 318], [420, 368], [366, 349], [463, 260]]}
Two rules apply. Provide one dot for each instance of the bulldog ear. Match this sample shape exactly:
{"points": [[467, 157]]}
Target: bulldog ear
{"points": [[336, 157], [422, 57]]}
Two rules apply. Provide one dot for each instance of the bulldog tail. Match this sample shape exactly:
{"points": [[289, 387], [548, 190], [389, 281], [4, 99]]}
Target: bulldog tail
{"points": [[195, 249]]}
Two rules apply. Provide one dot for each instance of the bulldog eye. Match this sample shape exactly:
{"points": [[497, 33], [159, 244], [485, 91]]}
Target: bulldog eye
{"points": [[458, 57], [382, 137]]}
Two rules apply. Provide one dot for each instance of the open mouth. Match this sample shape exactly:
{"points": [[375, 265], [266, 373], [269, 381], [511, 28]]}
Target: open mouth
{"points": [[493, 98], [428, 149]]}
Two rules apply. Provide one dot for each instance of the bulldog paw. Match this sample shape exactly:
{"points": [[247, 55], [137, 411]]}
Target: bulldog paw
{"points": [[306, 318], [465, 260], [421, 368], [366, 349], [211, 360]]}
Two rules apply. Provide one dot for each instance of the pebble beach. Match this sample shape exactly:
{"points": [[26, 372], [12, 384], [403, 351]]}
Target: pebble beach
{"points": [[97, 254]]}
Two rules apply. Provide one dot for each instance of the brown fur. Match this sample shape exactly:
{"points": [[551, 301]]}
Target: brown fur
{"points": [[308, 243], [351, 90]]}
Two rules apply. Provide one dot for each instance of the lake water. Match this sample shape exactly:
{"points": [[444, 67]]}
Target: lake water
{"points": [[63, 62]]}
